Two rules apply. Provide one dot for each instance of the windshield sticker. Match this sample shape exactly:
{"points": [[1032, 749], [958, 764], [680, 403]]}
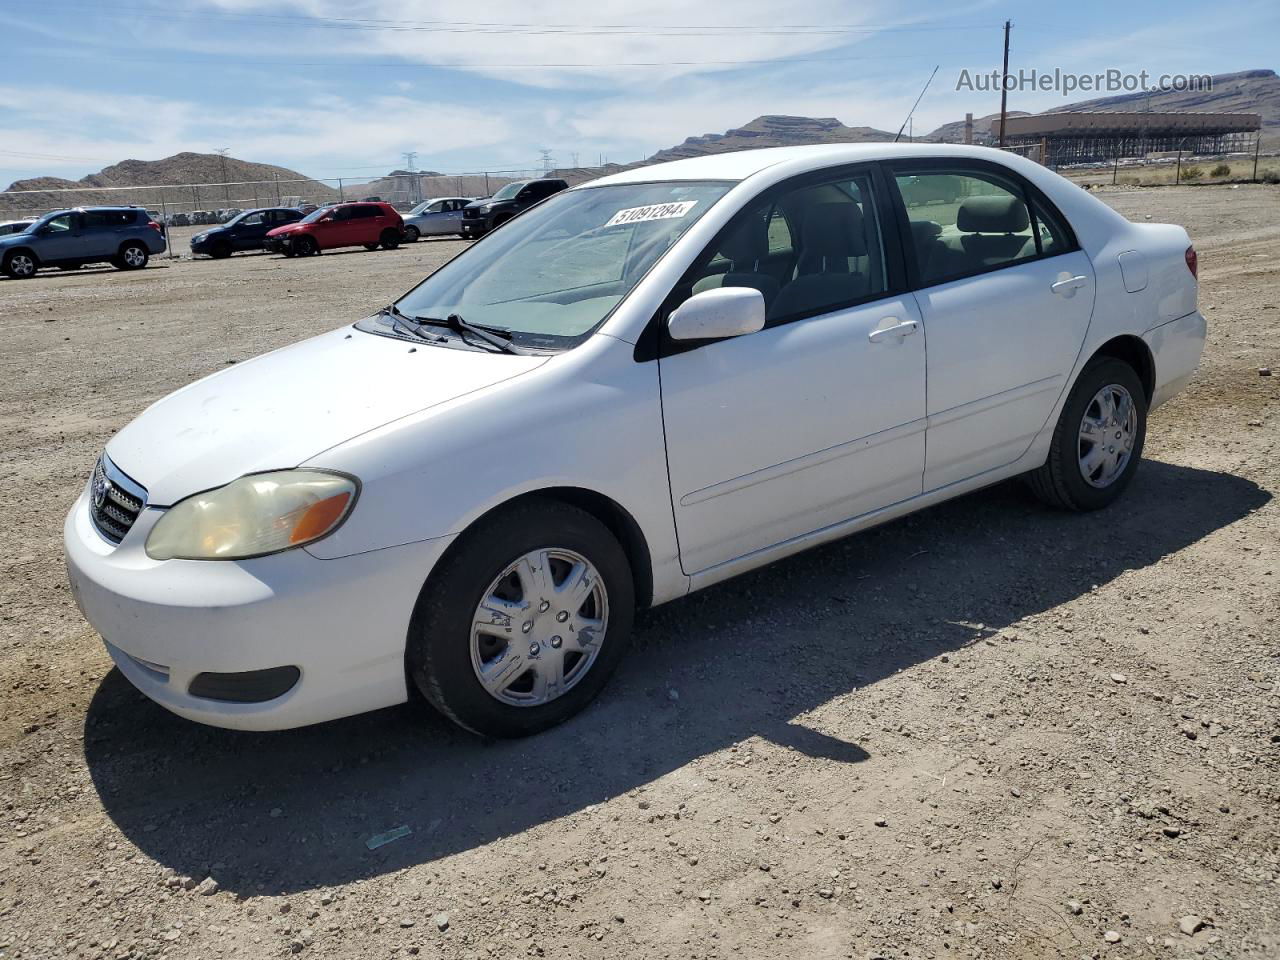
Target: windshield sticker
{"points": [[655, 211]]}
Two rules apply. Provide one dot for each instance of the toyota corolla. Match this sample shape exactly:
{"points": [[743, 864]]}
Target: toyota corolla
{"points": [[639, 387]]}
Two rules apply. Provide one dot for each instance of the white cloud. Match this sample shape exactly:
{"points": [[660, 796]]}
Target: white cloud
{"points": [[323, 129], [493, 37]]}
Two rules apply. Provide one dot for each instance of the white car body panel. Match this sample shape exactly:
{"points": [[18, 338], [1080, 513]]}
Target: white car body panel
{"points": [[328, 389], [792, 428], [773, 442]]}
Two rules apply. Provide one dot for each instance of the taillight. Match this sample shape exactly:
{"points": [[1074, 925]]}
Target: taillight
{"points": [[154, 226], [1192, 262]]}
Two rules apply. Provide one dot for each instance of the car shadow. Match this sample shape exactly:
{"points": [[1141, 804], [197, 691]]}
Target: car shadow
{"points": [[291, 811], [53, 273]]}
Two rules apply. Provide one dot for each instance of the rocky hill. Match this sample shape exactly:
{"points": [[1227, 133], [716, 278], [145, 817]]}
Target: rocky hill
{"points": [[772, 131], [1248, 91], [256, 183]]}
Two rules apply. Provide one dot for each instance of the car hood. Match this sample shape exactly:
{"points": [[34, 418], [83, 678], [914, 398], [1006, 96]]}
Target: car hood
{"points": [[283, 408], [287, 228]]}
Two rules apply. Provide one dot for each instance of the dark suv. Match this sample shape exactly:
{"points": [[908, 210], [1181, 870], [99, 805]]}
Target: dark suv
{"points": [[481, 216], [246, 231], [124, 237]]}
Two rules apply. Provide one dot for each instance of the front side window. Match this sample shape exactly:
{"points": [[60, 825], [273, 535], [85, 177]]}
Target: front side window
{"points": [[553, 274], [810, 249], [249, 219], [965, 222], [59, 224]]}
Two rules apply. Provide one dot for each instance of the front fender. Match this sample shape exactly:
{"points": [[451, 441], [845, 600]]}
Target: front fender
{"points": [[590, 419]]}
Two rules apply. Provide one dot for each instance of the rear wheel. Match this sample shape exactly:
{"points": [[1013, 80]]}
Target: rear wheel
{"points": [[524, 622], [411, 234], [132, 256], [20, 264], [1098, 440], [390, 239]]}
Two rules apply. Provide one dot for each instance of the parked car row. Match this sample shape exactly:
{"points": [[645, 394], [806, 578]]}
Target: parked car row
{"points": [[125, 237]]}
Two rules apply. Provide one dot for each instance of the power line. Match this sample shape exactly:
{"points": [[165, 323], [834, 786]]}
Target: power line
{"points": [[487, 26], [365, 64]]}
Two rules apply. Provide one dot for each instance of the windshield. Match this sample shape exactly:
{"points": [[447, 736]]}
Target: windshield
{"points": [[420, 207], [315, 215], [509, 191], [553, 274]]}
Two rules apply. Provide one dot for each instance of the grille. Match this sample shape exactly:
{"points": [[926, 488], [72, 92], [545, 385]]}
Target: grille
{"points": [[114, 500]]}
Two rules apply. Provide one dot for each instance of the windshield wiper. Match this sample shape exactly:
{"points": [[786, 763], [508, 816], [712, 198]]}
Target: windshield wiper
{"points": [[493, 336], [401, 322]]}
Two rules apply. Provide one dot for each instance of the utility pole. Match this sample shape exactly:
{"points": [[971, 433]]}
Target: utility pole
{"points": [[1004, 81], [222, 155]]}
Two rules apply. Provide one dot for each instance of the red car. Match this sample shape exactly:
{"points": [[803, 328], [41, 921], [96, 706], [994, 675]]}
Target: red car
{"points": [[368, 225]]}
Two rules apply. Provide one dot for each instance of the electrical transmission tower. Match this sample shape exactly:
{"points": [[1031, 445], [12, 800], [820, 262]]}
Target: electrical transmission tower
{"points": [[414, 191], [222, 155]]}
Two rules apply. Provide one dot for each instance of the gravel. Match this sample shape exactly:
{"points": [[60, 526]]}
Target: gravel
{"points": [[907, 676]]}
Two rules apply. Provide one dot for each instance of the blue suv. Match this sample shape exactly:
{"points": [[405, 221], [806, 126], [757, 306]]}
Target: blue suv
{"points": [[124, 237]]}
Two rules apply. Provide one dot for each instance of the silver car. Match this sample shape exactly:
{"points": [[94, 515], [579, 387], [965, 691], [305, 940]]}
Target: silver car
{"points": [[438, 217]]}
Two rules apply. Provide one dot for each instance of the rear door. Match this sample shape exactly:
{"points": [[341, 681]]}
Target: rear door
{"points": [[817, 418], [1006, 295]]}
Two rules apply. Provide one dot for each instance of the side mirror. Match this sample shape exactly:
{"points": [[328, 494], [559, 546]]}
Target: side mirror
{"points": [[718, 313]]}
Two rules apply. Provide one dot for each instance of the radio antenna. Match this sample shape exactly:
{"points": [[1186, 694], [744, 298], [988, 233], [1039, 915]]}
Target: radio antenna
{"points": [[916, 104]]}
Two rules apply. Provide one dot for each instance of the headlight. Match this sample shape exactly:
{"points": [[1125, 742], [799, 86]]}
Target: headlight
{"points": [[253, 516], [198, 237]]}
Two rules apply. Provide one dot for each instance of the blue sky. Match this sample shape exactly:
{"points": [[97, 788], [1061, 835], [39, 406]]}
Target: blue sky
{"points": [[342, 87]]}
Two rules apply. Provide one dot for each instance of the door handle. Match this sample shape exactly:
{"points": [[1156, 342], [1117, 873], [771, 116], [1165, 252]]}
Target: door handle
{"points": [[899, 330], [1068, 285]]}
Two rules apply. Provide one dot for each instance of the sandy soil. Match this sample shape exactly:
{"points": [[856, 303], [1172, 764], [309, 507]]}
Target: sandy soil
{"points": [[989, 730]]}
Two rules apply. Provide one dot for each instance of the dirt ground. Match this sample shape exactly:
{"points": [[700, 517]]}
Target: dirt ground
{"points": [[988, 730]]}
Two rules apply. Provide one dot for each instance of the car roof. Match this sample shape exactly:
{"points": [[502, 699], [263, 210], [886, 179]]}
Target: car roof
{"points": [[741, 164]]}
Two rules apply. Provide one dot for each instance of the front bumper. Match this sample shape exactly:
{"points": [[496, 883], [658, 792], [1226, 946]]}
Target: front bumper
{"points": [[342, 623]]}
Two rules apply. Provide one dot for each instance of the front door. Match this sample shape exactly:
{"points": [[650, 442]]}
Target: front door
{"points": [[817, 418], [1006, 296], [61, 238]]}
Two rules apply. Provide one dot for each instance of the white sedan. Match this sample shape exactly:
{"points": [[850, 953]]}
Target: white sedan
{"points": [[637, 388]]}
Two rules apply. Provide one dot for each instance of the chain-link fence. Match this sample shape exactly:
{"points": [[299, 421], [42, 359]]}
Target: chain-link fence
{"points": [[184, 204]]}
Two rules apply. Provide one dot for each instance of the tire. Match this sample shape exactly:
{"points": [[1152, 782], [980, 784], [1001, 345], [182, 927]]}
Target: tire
{"points": [[132, 256], [287, 251], [221, 251], [444, 655], [499, 221], [1062, 481], [305, 246], [390, 239], [21, 265], [411, 234]]}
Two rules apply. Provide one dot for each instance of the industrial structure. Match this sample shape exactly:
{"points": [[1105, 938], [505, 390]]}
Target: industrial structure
{"points": [[1064, 138]]}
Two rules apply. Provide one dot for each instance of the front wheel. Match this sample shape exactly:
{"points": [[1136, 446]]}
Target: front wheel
{"points": [[20, 265], [305, 246], [524, 621], [1098, 441], [411, 234]]}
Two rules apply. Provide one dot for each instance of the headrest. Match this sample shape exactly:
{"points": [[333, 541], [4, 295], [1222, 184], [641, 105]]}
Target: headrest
{"points": [[923, 231], [1005, 214], [834, 231], [748, 243]]}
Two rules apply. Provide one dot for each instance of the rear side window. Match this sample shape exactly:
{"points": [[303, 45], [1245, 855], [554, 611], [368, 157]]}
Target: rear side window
{"points": [[97, 219]]}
